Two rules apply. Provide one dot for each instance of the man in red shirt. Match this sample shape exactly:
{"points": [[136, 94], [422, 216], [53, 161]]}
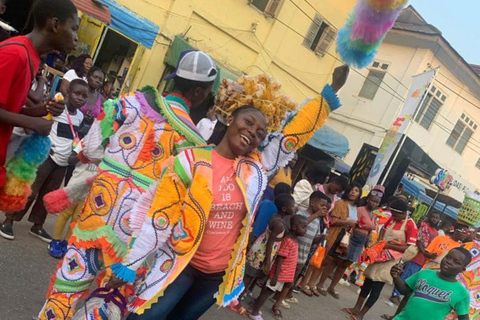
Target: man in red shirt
{"points": [[55, 28]]}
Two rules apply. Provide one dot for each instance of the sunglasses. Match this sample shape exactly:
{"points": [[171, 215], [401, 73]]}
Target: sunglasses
{"points": [[376, 193]]}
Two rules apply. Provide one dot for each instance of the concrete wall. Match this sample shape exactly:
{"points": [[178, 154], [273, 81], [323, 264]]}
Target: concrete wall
{"points": [[366, 121], [223, 29]]}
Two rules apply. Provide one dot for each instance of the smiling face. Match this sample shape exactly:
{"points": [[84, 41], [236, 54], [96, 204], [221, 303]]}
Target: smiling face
{"points": [[245, 131]]}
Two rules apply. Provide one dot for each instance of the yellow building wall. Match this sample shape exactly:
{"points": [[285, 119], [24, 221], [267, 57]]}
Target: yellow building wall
{"points": [[243, 39]]}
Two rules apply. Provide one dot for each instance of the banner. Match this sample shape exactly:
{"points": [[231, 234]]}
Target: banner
{"points": [[417, 90]]}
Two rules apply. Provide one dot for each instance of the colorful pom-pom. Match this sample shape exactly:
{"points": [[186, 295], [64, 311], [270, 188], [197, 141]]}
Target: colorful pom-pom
{"points": [[365, 29], [21, 172]]}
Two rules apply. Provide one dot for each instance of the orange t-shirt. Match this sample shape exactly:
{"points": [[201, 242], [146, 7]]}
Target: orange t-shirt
{"points": [[224, 221], [439, 245]]}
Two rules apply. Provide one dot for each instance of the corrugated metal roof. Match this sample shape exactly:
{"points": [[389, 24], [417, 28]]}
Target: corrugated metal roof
{"points": [[95, 9]]}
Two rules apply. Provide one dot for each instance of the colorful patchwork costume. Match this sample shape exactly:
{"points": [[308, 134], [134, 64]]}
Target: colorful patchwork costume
{"points": [[470, 278], [133, 138], [169, 219]]}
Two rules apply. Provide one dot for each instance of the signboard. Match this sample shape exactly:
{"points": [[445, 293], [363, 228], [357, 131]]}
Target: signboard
{"points": [[417, 90]]}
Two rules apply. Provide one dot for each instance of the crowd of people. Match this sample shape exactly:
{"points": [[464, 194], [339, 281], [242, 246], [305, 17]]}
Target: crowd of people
{"points": [[176, 215]]}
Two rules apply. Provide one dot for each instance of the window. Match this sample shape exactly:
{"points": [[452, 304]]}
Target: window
{"points": [[374, 80], [431, 105], [478, 164], [269, 7], [319, 36], [461, 134]]}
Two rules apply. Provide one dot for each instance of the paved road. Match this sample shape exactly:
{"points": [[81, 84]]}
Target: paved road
{"points": [[25, 269]]}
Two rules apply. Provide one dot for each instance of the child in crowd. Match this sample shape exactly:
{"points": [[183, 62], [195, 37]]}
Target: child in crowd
{"points": [[51, 173], [55, 28], [314, 214], [266, 209], [264, 249], [435, 293], [206, 125], [282, 274]]}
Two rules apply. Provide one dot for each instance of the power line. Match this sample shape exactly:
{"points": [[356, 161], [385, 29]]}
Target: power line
{"points": [[311, 6]]}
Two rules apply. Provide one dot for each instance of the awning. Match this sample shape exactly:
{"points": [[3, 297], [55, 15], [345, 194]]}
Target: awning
{"points": [[419, 191], [330, 141], [179, 45], [130, 24], [95, 9]]}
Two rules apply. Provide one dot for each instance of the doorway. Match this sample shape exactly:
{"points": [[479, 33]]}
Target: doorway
{"points": [[115, 57]]}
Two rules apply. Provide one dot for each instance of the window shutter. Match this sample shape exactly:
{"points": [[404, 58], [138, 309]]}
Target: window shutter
{"points": [[272, 7], [312, 31], [325, 42]]}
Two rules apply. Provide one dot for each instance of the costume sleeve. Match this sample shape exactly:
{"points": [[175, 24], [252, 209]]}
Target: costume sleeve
{"points": [[105, 126], [154, 215], [181, 143], [279, 148], [412, 280], [462, 307], [302, 191], [411, 233]]}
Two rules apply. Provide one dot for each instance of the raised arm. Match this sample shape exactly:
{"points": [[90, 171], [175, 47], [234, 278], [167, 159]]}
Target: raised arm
{"points": [[279, 148]]}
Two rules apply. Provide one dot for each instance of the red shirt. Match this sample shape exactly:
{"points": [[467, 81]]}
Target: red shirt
{"points": [[411, 231], [426, 234], [289, 251], [224, 220], [16, 79]]}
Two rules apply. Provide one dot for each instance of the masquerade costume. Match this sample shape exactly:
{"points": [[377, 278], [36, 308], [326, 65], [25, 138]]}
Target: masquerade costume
{"points": [[170, 219], [132, 137]]}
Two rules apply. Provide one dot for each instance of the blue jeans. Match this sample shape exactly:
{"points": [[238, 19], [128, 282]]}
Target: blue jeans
{"points": [[409, 269], [186, 298]]}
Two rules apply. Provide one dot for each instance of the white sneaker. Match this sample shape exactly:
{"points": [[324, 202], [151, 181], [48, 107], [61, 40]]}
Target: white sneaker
{"points": [[344, 282]]}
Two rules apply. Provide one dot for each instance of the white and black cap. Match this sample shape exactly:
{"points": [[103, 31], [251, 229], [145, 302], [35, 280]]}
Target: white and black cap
{"points": [[195, 66]]}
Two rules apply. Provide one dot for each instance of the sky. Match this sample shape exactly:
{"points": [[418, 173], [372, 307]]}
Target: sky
{"points": [[459, 22]]}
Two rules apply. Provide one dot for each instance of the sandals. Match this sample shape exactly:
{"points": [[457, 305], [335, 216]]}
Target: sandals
{"points": [[307, 291], [238, 309], [257, 317], [323, 292], [285, 305], [347, 311], [315, 291], [333, 293], [277, 313], [292, 300]]}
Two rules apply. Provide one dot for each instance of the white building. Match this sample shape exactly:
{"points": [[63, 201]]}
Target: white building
{"points": [[447, 124]]}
